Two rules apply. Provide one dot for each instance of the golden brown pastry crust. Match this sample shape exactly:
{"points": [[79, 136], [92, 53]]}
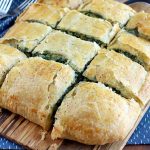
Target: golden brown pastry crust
{"points": [[117, 71], [93, 114], [9, 56], [134, 45], [72, 4], [45, 14], [33, 87], [25, 35], [110, 10], [140, 22], [95, 28], [76, 51], [144, 92]]}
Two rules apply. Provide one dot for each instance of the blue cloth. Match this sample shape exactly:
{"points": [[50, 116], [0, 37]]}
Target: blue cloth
{"points": [[141, 134]]}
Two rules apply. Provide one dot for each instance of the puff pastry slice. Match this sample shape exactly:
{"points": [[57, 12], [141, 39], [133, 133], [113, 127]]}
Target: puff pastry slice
{"points": [[9, 56], [42, 13], [140, 25], [25, 36], [92, 114], [117, 71], [33, 87], [133, 47], [67, 49], [88, 28], [108, 9]]}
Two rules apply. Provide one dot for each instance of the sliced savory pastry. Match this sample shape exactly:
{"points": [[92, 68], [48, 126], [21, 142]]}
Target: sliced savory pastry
{"points": [[88, 28], [67, 49], [42, 13], [108, 9], [72, 4], [133, 47], [25, 36], [140, 25], [9, 56], [118, 72], [33, 87], [93, 114]]}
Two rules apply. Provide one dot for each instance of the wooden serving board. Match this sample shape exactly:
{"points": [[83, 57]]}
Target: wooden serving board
{"points": [[31, 136]]}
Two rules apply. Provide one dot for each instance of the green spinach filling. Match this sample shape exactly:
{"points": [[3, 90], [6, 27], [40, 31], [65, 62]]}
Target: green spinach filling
{"points": [[83, 37], [129, 55], [115, 90], [25, 50], [91, 14], [56, 107], [53, 26], [50, 56], [133, 31]]}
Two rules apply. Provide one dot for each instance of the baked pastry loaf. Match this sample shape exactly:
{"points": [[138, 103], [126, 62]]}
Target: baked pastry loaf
{"points": [[109, 86], [140, 25], [108, 9], [132, 46], [25, 36], [119, 72], [93, 114], [42, 13], [67, 49], [9, 56], [33, 87], [88, 28]]}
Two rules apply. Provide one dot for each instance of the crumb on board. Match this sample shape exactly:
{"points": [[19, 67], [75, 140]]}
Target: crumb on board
{"points": [[43, 135]]}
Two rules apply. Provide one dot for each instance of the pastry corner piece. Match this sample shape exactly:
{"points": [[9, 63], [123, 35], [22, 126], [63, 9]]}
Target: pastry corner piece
{"points": [[108, 9], [33, 87], [42, 13], [119, 72], [93, 114], [9, 57], [136, 48], [25, 36], [140, 25]]}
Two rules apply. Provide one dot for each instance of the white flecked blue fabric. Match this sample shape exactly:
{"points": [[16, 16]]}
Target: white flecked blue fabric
{"points": [[141, 134]]}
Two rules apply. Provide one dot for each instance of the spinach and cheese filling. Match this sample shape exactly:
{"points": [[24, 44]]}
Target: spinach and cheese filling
{"points": [[67, 49], [25, 36], [9, 57], [51, 56], [110, 10], [84, 37], [92, 113], [136, 48], [33, 88], [91, 14], [140, 24], [88, 28], [42, 13], [129, 55], [117, 71]]}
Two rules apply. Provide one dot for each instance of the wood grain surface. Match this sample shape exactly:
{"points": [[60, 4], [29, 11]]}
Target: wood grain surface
{"points": [[137, 147]]}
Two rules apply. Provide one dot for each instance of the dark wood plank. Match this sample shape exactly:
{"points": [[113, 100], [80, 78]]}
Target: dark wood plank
{"points": [[138, 147]]}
